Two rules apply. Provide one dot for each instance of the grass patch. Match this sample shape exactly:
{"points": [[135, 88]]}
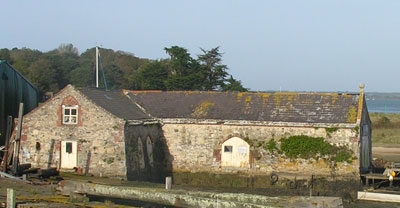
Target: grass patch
{"points": [[385, 128]]}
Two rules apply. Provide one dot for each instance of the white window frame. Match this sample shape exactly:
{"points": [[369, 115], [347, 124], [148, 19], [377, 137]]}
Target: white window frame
{"points": [[70, 116]]}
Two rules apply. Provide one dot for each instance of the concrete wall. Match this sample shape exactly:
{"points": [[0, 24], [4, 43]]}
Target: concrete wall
{"points": [[197, 148], [100, 136]]}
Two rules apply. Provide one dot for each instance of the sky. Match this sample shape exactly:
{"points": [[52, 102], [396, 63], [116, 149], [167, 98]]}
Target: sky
{"points": [[308, 45]]}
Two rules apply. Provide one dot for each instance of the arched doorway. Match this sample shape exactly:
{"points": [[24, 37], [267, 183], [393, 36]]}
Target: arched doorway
{"points": [[149, 146], [235, 153]]}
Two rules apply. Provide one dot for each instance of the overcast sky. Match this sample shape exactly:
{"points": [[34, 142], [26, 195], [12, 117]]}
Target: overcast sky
{"points": [[329, 45]]}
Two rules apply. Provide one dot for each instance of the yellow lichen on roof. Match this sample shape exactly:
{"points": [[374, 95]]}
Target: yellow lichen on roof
{"points": [[281, 96], [195, 92], [335, 97], [286, 93], [352, 115], [347, 95], [202, 109], [248, 101], [265, 97]]}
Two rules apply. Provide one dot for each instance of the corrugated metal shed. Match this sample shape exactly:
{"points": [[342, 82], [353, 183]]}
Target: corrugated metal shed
{"points": [[14, 88]]}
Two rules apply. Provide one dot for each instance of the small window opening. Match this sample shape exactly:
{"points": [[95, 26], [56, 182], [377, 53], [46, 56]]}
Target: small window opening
{"points": [[37, 146], [68, 147], [228, 148], [70, 114]]}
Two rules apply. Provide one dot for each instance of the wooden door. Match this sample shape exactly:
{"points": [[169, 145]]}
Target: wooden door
{"points": [[69, 154]]}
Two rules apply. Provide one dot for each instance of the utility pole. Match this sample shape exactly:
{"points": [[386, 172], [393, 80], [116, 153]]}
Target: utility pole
{"points": [[97, 67]]}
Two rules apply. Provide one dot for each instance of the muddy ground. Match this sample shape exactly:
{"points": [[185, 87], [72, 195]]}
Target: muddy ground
{"points": [[48, 188], [387, 153]]}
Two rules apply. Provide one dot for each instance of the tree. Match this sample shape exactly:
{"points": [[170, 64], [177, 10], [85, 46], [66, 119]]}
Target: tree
{"points": [[43, 76], [154, 75], [67, 49], [232, 84], [184, 71], [215, 72], [5, 55]]}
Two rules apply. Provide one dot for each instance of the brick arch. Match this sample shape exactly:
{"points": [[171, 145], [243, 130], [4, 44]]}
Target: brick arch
{"points": [[229, 137], [69, 101]]}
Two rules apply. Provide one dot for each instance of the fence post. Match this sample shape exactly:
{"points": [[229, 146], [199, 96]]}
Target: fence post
{"points": [[168, 182], [10, 198]]}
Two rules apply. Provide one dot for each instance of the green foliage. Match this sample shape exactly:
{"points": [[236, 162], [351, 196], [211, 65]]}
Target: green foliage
{"points": [[214, 72], [357, 129], [153, 76], [330, 130], [53, 70], [312, 147], [342, 156], [383, 122], [305, 147], [232, 84], [109, 160], [271, 146]]}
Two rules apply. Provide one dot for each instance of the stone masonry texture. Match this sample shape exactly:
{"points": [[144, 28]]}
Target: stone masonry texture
{"points": [[99, 134]]}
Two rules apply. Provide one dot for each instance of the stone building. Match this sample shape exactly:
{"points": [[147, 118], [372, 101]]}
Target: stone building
{"points": [[225, 132], [93, 132], [148, 134]]}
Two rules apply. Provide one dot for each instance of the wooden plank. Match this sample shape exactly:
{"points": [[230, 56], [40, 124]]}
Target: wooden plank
{"points": [[18, 138], [381, 197], [8, 135], [11, 176]]}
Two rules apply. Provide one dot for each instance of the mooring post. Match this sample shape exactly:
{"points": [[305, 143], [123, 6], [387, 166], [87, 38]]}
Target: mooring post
{"points": [[10, 198], [311, 185], [168, 182]]}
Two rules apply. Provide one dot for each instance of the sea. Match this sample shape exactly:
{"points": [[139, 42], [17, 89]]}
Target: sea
{"points": [[383, 106]]}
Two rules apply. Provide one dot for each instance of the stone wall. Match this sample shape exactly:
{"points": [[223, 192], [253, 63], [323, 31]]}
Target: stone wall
{"points": [[197, 148], [146, 153], [100, 136]]}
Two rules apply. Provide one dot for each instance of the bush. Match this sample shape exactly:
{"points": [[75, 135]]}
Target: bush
{"points": [[305, 147], [343, 156], [271, 146], [383, 122]]}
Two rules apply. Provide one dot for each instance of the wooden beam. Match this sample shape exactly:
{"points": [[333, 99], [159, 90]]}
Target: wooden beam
{"points": [[382, 197], [8, 135], [18, 137]]}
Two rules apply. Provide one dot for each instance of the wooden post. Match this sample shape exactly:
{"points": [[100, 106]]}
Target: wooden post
{"points": [[311, 184], [168, 182], [8, 135], [18, 137], [10, 198]]}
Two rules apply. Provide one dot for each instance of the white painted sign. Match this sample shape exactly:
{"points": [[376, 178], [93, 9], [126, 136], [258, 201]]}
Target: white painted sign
{"points": [[242, 150]]}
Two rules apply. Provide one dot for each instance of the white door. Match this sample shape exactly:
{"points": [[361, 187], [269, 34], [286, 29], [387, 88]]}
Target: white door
{"points": [[69, 154], [235, 153]]}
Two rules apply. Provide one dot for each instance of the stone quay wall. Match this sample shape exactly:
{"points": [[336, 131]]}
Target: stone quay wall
{"points": [[99, 134]]}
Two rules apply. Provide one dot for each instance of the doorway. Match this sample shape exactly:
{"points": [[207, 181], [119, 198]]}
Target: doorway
{"points": [[69, 154]]}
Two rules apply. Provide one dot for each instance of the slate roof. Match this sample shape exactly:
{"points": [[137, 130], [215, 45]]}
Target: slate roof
{"points": [[251, 106], [116, 103]]}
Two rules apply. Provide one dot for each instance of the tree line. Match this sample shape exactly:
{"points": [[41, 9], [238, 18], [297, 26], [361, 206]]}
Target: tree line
{"points": [[53, 70]]}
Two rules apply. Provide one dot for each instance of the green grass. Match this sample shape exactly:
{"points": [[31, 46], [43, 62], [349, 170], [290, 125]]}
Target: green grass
{"points": [[385, 128]]}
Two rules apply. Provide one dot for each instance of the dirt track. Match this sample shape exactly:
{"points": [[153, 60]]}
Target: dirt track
{"points": [[389, 154]]}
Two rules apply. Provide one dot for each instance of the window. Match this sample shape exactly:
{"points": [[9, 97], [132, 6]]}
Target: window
{"points": [[227, 148], [68, 147], [70, 114]]}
